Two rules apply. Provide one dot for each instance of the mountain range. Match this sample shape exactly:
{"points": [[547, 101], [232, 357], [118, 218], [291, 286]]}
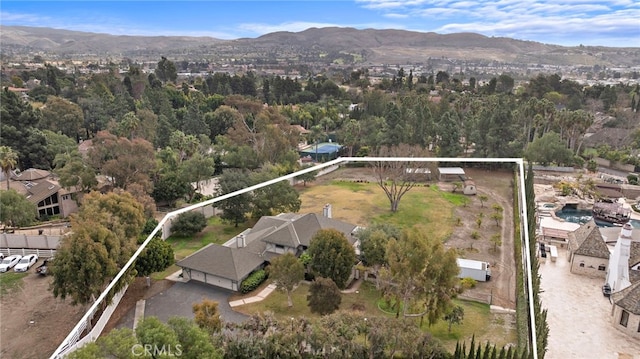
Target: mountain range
{"points": [[346, 45]]}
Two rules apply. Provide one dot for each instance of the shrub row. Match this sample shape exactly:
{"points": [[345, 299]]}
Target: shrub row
{"points": [[253, 281]]}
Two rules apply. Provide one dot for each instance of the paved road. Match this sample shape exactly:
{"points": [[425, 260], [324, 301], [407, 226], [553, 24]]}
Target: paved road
{"points": [[178, 301]]}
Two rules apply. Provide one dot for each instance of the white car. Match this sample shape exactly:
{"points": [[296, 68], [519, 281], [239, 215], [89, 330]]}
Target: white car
{"points": [[26, 262], [9, 262]]}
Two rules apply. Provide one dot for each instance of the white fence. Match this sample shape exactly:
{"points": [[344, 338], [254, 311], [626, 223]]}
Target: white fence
{"points": [[41, 253], [97, 329]]}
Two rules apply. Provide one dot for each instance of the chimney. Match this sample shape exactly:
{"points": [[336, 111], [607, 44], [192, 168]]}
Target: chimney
{"points": [[241, 240], [326, 210]]}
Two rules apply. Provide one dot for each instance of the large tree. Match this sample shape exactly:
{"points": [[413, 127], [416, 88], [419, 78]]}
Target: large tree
{"points": [[16, 210], [549, 148], [392, 176], [188, 224], [166, 70], [332, 256], [274, 199], [324, 296], [83, 263], [286, 271], [422, 274], [156, 257], [62, 116], [373, 246], [125, 161], [104, 237], [234, 209], [74, 172], [20, 132]]}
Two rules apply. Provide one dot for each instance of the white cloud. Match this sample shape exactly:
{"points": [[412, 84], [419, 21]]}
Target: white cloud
{"points": [[396, 16], [522, 19], [29, 19]]}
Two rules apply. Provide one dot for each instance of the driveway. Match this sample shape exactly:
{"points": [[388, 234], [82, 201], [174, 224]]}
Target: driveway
{"points": [[579, 316], [178, 299]]}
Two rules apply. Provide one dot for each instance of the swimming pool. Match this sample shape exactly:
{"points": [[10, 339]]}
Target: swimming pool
{"points": [[581, 216]]}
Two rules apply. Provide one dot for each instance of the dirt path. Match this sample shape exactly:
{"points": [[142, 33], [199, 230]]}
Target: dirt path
{"points": [[505, 278]]}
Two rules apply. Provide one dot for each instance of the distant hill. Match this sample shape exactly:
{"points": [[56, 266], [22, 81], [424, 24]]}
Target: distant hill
{"points": [[332, 43]]}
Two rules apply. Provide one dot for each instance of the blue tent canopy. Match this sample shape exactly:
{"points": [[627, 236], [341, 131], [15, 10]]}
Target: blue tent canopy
{"points": [[322, 152]]}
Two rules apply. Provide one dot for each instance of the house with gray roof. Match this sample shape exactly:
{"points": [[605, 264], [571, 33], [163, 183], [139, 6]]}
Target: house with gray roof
{"points": [[228, 265], [587, 251], [42, 189], [626, 310]]}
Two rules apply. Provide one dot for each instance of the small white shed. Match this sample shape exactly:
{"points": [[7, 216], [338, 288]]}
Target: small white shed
{"points": [[451, 174]]}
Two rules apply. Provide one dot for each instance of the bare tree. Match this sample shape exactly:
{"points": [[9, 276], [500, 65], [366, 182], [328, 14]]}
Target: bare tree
{"points": [[396, 178]]}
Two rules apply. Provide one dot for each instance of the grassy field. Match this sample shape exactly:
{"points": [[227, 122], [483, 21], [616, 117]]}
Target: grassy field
{"points": [[365, 204], [9, 281]]}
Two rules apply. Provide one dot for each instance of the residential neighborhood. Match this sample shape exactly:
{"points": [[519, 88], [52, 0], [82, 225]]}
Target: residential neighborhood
{"points": [[325, 206]]}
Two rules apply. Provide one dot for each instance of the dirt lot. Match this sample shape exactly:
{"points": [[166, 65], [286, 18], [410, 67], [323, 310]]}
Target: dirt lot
{"points": [[32, 322], [28, 316]]}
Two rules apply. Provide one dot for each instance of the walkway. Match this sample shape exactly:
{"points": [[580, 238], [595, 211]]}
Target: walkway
{"points": [[257, 298], [271, 287]]}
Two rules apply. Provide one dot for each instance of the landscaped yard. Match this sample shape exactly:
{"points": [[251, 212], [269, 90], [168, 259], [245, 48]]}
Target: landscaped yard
{"points": [[477, 321], [364, 203]]}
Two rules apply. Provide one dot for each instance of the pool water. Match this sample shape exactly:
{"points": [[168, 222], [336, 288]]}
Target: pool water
{"points": [[582, 216]]}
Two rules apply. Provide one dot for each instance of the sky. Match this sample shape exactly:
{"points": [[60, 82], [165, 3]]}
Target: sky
{"points": [[613, 23]]}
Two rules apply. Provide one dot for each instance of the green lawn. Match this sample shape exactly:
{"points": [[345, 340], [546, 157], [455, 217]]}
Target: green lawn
{"points": [[365, 203], [10, 281], [215, 232]]}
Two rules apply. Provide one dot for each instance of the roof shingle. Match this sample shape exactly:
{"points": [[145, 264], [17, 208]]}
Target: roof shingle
{"points": [[587, 241], [628, 298]]}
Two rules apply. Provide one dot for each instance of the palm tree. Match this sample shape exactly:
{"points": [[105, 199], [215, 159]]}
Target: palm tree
{"points": [[317, 134], [8, 161]]}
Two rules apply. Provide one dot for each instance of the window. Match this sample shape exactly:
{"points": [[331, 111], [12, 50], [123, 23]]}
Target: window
{"points": [[279, 246], [601, 267], [65, 197], [582, 265], [638, 327], [624, 318]]}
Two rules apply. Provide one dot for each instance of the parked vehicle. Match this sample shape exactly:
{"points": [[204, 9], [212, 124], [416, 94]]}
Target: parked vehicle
{"points": [[606, 290], [9, 262], [26, 262], [477, 270], [43, 268]]}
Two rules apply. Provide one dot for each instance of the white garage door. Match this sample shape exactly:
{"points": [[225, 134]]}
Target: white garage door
{"points": [[211, 279]]}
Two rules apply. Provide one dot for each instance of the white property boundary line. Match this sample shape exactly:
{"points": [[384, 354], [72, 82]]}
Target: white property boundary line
{"points": [[67, 343]]}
